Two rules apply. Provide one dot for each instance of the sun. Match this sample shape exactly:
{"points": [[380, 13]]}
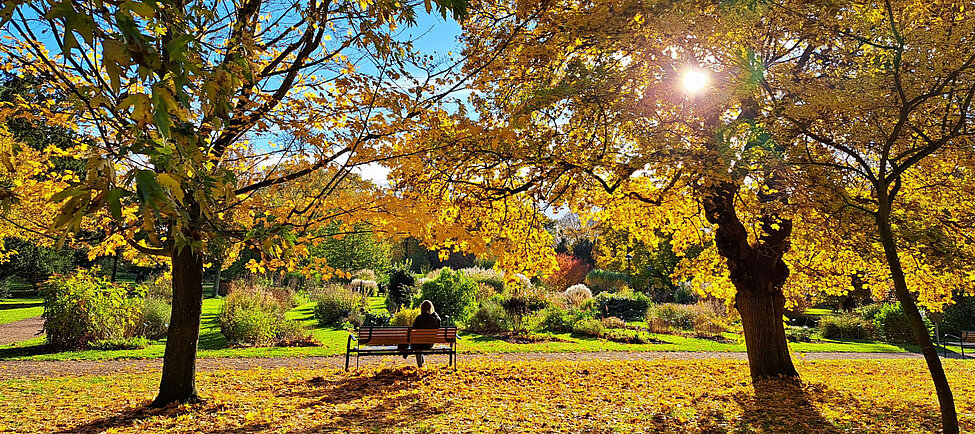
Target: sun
{"points": [[694, 80]]}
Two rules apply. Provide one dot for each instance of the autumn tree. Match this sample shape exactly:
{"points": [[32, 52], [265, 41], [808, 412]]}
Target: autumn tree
{"points": [[588, 110], [199, 111], [883, 105]]}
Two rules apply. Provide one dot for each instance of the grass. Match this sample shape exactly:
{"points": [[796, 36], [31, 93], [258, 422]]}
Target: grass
{"points": [[333, 342], [499, 396], [16, 309]]}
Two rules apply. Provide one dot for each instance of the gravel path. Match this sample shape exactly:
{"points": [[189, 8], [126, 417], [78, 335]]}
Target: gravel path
{"points": [[17, 331], [27, 369]]}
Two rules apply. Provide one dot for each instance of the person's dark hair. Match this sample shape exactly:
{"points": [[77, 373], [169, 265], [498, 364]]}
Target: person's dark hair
{"points": [[426, 307]]}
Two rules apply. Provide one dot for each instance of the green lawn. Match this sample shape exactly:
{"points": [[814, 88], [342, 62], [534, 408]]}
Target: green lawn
{"points": [[213, 343], [16, 309]]}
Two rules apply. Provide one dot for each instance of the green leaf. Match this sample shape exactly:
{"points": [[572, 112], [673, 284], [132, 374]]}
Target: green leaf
{"points": [[114, 202], [142, 9]]}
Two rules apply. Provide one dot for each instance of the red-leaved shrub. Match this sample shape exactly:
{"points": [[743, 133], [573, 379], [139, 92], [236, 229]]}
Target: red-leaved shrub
{"points": [[571, 271]]}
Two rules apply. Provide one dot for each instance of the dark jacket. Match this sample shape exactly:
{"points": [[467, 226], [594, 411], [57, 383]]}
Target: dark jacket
{"points": [[425, 321]]}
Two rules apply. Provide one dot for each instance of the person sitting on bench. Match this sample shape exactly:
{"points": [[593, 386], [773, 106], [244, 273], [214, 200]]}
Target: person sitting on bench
{"points": [[427, 319]]}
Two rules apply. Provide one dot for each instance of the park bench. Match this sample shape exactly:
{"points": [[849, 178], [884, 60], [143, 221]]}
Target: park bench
{"points": [[379, 341], [967, 339]]}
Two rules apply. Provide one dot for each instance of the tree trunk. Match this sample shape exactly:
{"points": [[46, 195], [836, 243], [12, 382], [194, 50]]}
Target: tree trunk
{"points": [[949, 418], [761, 318], [758, 273], [179, 363], [216, 279]]}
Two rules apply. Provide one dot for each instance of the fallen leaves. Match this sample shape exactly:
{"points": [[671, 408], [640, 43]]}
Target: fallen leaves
{"points": [[660, 395]]}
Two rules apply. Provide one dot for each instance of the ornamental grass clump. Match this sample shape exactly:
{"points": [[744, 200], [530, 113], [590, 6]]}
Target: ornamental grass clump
{"points": [[334, 304], [578, 294]]}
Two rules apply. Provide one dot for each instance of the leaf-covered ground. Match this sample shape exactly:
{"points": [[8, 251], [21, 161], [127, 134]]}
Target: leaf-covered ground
{"points": [[485, 396]]}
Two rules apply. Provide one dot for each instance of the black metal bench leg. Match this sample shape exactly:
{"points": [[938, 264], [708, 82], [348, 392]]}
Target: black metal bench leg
{"points": [[346, 361]]}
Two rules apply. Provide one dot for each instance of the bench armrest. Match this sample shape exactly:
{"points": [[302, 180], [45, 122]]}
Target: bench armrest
{"points": [[953, 337]]}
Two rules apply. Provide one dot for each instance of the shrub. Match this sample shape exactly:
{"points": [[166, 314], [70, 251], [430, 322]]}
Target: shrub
{"points": [[131, 343], [521, 303], [668, 317], [82, 308], [798, 334], [365, 287], [613, 323], [254, 317], [892, 325], [578, 294], [631, 307], [364, 274], [404, 317], [629, 336], [4, 289], [376, 319], [153, 321], [558, 320], [958, 316], [489, 277], [490, 317], [333, 304], [589, 327], [571, 271], [158, 286], [869, 312], [401, 287], [844, 326], [708, 325], [452, 294], [605, 280]]}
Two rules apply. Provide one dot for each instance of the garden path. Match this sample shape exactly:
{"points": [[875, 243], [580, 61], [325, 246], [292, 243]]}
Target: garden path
{"points": [[17, 331], [33, 368]]}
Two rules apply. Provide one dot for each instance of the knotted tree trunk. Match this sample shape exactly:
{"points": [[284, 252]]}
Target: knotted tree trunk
{"points": [[758, 273]]}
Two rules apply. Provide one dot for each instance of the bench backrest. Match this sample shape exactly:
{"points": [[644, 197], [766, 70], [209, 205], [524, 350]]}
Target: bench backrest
{"points": [[968, 336], [405, 335]]}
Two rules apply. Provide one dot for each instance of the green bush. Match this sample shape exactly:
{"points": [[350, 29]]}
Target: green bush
{"points": [[629, 336], [632, 307], [798, 334], [255, 317], [452, 294], [334, 304], [521, 303], [558, 320], [4, 289], [589, 327], [869, 312], [958, 316], [599, 280], [892, 325], [375, 319], [132, 343], [845, 326], [153, 321], [401, 287], [404, 317], [490, 317], [82, 308]]}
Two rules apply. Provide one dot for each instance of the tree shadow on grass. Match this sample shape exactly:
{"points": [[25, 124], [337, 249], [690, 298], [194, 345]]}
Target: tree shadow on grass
{"points": [[782, 406], [389, 411], [26, 351], [10, 306], [788, 406], [385, 406]]}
